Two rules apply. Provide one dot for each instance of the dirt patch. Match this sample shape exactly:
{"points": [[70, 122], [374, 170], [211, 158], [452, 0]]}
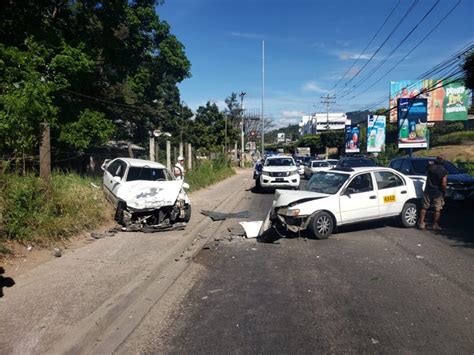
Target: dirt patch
{"points": [[450, 152]]}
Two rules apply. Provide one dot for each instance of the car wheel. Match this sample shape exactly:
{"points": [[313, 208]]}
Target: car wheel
{"points": [[409, 215], [187, 214], [321, 225], [119, 212]]}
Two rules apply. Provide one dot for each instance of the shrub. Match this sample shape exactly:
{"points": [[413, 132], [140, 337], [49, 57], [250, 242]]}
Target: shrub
{"points": [[37, 211], [456, 138], [208, 172]]}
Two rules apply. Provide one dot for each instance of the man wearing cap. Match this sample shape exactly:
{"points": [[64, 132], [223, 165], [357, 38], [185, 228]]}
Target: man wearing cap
{"points": [[179, 168], [435, 189]]}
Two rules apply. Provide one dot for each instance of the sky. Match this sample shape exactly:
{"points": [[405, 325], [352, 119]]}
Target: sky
{"points": [[310, 46]]}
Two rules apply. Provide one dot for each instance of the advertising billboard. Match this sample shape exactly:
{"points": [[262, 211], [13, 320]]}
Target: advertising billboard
{"points": [[412, 123], [447, 101], [281, 137], [352, 138], [375, 133]]}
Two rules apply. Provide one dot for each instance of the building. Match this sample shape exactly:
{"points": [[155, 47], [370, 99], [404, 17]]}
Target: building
{"points": [[321, 122]]}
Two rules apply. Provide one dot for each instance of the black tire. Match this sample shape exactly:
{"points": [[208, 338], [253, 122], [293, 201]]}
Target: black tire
{"points": [[119, 212], [409, 215], [321, 225], [187, 214]]}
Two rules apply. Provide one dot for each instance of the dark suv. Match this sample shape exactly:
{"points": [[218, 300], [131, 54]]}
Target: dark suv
{"points": [[460, 185], [354, 162]]}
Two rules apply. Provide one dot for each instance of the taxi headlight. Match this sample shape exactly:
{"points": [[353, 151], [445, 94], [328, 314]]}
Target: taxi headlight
{"points": [[289, 212]]}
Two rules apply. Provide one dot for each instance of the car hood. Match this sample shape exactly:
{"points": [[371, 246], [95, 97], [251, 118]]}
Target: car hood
{"points": [[461, 179], [279, 168], [284, 198], [150, 194]]}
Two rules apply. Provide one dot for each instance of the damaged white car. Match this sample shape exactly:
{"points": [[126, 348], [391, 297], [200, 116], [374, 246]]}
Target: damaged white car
{"points": [[344, 196], [145, 194]]}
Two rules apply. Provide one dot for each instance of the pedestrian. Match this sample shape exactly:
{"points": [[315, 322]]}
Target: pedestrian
{"points": [[435, 189], [179, 170]]}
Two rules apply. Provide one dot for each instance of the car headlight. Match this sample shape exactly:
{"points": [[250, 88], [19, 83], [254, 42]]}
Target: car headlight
{"points": [[289, 212], [293, 172], [265, 173]]}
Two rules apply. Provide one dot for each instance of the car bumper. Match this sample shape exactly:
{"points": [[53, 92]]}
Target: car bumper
{"points": [[289, 181]]}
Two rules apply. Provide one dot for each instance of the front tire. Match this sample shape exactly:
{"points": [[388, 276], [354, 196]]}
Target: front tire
{"points": [[409, 215], [321, 225], [187, 214]]}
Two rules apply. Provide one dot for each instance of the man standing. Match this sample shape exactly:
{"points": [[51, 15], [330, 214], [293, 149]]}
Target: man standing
{"points": [[435, 189], [179, 168]]}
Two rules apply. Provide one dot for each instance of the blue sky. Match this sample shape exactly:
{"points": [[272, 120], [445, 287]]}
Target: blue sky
{"points": [[309, 45]]}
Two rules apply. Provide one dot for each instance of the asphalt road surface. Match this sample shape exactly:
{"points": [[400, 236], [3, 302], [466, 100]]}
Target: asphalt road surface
{"points": [[374, 287]]}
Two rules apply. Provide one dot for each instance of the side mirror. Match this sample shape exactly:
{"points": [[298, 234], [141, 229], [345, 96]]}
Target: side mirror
{"points": [[185, 185], [349, 191], [117, 178]]}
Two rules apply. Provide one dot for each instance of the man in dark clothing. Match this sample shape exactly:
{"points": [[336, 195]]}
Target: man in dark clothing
{"points": [[435, 188]]}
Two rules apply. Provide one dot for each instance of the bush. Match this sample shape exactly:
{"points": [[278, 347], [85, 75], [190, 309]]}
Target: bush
{"points": [[33, 210], [456, 138], [468, 165], [208, 172]]}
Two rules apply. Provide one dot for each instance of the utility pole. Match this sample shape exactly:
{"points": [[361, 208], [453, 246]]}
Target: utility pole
{"points": [[327, 100], [242, 95], [263, 97]]}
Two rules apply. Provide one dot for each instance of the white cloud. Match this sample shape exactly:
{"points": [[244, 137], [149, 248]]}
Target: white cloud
{"points": [[292, 114], [311, 86], [247, 35], [351, 55]]}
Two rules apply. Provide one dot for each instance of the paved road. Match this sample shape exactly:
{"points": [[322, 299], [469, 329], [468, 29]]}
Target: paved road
{"points": [[369, 288]]}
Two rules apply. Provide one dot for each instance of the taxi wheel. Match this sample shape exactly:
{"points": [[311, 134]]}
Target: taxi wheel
{"points": [[321, 225], [409, 215]]}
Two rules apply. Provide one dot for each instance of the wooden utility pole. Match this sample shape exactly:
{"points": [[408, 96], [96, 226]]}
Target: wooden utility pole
{"points": [[190, 157], [152, 149], [168, 155], [45, 152], [327, 100]]}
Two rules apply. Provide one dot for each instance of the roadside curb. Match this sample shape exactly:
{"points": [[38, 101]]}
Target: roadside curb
{"points": [[126, 309]]}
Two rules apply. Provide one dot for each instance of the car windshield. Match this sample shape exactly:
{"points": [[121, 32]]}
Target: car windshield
{"points": [[420, 165], [280, 162], [326, 182], [319, 164], [148, 174]]}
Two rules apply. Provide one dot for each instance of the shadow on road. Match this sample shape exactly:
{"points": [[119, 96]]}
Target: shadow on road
{"points": [[5, 281], [457, 223]]}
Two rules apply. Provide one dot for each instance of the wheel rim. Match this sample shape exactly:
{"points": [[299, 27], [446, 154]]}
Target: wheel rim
{"points": [[322, 225], [411, 215]]}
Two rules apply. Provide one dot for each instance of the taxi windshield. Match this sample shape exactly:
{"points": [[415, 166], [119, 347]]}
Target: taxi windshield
{"points": [[326, 182]]}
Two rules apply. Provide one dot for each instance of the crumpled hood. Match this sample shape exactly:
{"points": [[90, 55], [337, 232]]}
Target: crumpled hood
{"points": [[279, 168], [150, 194], [284, 198]]}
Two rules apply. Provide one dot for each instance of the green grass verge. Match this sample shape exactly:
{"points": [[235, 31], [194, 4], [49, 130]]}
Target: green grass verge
{"points": [[208, 172], [456, 138], [35, 211]]}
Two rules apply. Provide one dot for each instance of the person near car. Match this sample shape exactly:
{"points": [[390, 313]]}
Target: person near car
{"points": [[179, 170], [435, 189]]}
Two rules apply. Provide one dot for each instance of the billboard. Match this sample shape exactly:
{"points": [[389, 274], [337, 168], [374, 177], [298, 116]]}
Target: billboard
{"points": [[281, 137], [447, 101], [352, 138], [375, 133], [412, 123]]}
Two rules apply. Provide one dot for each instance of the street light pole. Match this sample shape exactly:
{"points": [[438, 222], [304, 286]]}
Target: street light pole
{"points": [[263, 96], [242, 143]]}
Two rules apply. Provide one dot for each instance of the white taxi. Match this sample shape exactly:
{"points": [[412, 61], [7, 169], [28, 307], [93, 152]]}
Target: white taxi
{"points": [[279, 171], [344, 196]]}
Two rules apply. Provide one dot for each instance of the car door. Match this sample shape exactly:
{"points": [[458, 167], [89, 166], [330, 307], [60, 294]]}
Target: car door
{"points": [[115, 168], [392, 193], [358, 200]]}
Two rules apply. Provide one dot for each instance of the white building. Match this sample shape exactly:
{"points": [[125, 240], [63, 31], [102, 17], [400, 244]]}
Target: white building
{"points": [[321, 122]]}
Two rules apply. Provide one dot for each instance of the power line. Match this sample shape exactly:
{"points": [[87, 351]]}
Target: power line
{"points": [[381, 46], [366, 47], [374, 70]]}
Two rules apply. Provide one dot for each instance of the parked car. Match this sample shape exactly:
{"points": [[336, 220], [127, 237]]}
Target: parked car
{"points": [[145, 193], [354, 162], [279, 171], [314, 166], [338, 197], [300, 162], [460, 185], [332, 162]]}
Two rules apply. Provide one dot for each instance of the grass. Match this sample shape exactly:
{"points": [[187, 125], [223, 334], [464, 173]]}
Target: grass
{"points": [[39, 212], [209, 172], [456, 138]]}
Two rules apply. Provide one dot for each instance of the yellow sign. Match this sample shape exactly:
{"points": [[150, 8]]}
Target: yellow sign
{"points": [[389, 198]]}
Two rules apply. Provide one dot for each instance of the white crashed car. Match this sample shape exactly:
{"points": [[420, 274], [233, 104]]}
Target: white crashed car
{"points": [[145, 193], [338, 197], [279, 171]]}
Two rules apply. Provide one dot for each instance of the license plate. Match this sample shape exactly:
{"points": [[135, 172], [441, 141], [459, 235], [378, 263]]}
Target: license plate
{"points": [[279, 180], [389, 199]]}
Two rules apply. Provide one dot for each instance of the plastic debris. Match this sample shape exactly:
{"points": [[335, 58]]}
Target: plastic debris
{"points": [[252, 229], [57, 252], [374, 341], [220, 216]]}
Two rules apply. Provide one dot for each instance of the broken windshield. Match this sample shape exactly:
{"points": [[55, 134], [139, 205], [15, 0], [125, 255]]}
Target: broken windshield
{"points": [[326, 182], [148, 174]]}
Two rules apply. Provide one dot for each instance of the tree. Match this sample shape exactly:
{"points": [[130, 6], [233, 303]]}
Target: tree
{"points": [[208, 129], [468, 68]]}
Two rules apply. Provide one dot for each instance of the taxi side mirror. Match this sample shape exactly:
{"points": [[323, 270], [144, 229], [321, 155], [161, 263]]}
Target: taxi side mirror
{"points": [[117, 178], [185, 185]]}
